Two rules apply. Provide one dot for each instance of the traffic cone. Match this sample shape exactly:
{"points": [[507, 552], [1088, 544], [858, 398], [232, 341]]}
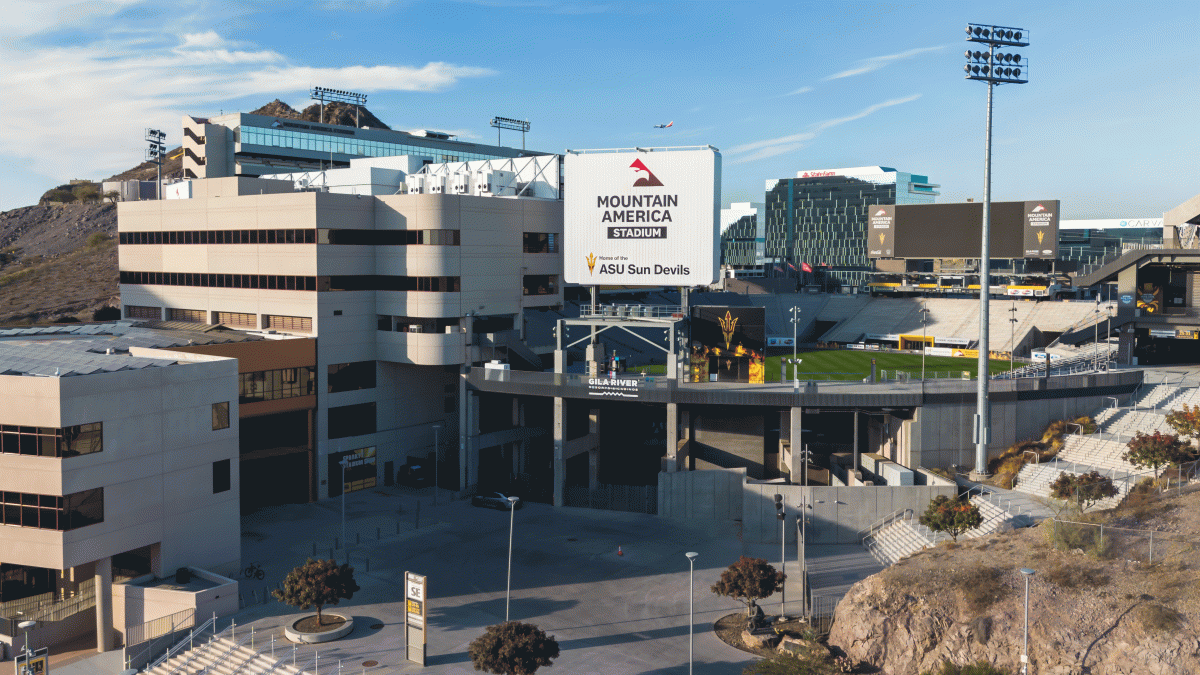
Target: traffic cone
{"points": [[619, 550]]}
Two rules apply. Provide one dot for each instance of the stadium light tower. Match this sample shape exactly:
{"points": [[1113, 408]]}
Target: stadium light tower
{"points": [[512, 125], [994, 69], [325, 95], [156, 149]]}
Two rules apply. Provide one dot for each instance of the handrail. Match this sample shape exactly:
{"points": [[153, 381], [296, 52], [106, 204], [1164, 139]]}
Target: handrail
{"points": [[282, 659], [210, 623], [221, 660], [203, 649], [883, 522]]}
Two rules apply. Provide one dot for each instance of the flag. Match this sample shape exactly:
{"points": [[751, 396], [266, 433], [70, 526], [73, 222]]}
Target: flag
{"points": [[778, 269], [791, 267], [806, 267]]}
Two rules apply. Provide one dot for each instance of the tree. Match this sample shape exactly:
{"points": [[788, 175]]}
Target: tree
{"points": [[112, 196], [952, 515], [1156, 450], [749, 580], [1185, 422], [317, 583], [106, 313], [1084, 489], [513, 648]]}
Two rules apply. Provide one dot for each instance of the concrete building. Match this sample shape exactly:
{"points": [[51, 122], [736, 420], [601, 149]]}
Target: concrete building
{"points": [[743, 240], [241, 144], [820, 218], [402, 290], [116, 461]]}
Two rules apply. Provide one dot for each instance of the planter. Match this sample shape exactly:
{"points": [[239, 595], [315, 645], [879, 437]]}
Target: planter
{"points": [[342, 631]]}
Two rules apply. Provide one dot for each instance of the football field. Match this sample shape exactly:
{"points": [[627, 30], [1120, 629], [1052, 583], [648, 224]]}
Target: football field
{"points": [[849, 364]]}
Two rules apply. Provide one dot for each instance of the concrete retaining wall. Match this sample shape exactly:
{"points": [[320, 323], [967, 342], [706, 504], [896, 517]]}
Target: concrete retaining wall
{"points": [[701, 495]]}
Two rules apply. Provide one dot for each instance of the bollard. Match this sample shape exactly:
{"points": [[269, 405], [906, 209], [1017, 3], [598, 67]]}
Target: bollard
{"points": [[252, 631]]}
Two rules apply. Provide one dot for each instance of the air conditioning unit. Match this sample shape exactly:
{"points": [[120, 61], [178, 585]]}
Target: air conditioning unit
{"points": [[435, 185], [460, 184], [415, 183]]}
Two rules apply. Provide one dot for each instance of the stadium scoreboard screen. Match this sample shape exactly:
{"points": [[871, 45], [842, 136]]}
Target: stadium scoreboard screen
{"points": [[1019, 230]]}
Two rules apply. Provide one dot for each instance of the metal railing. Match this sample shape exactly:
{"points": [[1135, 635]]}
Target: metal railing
{"points": [[45, 606], [189, 641], [633, 311]]}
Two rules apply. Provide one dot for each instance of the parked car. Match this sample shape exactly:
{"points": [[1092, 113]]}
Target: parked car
{"points": [[495, 500]]}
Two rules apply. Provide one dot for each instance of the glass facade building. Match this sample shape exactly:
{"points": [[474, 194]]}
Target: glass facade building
{"points": [[820, 218]]}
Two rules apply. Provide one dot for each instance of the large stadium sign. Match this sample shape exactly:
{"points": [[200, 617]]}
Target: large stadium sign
{"points": [[1019, 230], [643, 217]]}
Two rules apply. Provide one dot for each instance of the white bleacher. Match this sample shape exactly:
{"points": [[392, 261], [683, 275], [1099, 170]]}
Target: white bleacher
{"points": [[223, 656]]}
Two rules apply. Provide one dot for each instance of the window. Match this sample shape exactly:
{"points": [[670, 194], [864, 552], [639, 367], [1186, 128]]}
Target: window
{"points": [[302, 324], [352, 420], [272, 385], [220, 415], [351, 376], [540, 242], [238, 319], [136, 312], [414, 324], [540, 284], [293, 236], [221, 476], [49, 512], [81, 439], [188, 315]]}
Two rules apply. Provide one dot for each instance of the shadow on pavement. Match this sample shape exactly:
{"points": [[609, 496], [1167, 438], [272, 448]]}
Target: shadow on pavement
{"points": [[460, 617]]}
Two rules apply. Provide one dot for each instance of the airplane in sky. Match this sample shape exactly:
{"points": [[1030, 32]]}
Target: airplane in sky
{"points": [[664, 126]]}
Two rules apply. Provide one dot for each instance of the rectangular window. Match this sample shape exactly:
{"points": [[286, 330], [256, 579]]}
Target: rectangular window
{"points": [[50, 512], [273, 385], [220, 415], [137, 312], [221, 476], [352, 420], [187, 315], [81, 439], [540, 284], [351, 376], [238, 319], [300, 324]]}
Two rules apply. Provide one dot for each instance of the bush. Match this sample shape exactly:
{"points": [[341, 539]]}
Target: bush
{"points": [[1159, 618], [1156, 450], [952, 515], [979, 668], [58, 195], [1076, 576], [981, 586], [86, 193], [1084, 536], [106, 313], [1185, 422], [97, 239], [1083, 489], [513, 648]]}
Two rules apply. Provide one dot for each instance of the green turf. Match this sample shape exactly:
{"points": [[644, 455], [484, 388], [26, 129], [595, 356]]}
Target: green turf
{"points": [[851, 364]]}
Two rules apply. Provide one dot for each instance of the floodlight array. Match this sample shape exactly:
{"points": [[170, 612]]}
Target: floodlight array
{"points": [[510, 124], [988, 65], [325, 94], [156, 148]]}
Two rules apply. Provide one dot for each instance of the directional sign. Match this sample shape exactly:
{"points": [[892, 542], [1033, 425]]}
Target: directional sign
{"points": [[414, 617]]}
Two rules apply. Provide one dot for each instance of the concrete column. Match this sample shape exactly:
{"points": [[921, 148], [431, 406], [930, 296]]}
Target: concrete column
{"points": [[857, 457], [104, 620], [463, 420], [560, 443], [672, 437], [594, 468], [473, 441], [795, 464]]}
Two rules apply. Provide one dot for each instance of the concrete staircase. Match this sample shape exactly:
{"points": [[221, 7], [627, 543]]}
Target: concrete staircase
{"points": [[224, 656], [905, 535], [1035, 479], [1094, 452]]}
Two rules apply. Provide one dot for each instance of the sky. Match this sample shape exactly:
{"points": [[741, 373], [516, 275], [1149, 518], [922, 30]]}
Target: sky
{"points": [[1108, 122]]}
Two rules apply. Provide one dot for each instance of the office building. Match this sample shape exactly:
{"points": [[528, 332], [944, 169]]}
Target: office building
{"points": [[243, 144], [116, 461], [820, 218], [743, 240], [403, 286]]}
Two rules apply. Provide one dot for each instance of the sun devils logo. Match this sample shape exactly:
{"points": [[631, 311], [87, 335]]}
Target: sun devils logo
{"points": [[1038, 209], [591, 261], [882, 236], [649, 180], [1040, 235], [880, 212], [728, 324]]}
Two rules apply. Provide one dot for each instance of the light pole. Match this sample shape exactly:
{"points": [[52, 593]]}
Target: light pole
{"points": [[1012, 336], [795, 326], [924, 318], [1025, 652], [988, 66], [345, 461], [1096, 334], [1110, 311], [437, 457], [512, 511], [25, 626], [691, 556]]}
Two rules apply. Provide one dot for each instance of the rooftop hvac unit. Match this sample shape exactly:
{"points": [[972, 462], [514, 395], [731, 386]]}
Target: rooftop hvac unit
{"points": [[435, 185], [415, 183], [460, 183], [494, 183]]}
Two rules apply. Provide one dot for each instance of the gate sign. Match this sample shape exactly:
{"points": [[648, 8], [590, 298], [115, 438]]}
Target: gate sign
{"points": [[414, 617], [642, 217]]}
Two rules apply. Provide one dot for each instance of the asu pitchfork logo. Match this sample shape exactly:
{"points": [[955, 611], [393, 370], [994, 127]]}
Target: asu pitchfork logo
{"points": [[728, 325], [591, 261]]}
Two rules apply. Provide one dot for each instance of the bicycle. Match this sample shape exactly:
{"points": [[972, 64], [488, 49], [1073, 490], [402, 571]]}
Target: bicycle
{"points": [[255, 571]]}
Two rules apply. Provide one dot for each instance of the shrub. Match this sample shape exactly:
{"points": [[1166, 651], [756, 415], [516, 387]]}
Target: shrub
{"points": [[513, 648], [1084, 536], [106, 313], [1083, 489], [981, 587], [58, 195], [1076, 576], [979, 668], [952, 515], [86, 193], [1159, 618], [97, 239]]}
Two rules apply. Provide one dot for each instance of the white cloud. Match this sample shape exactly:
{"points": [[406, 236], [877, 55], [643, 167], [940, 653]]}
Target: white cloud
{"points": [[797, 92], [771, 147], [876, 62], [78, 111]]}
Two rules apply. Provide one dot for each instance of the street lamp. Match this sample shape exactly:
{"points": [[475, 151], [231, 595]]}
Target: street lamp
{"points": [[1110, 311], [995, 69], [1096, 334], [781, 514], [25, 626], [1025, 652], [691, 556], [512, 511], [1012, 337], [437, 457], [924, 317], [795, 325], [345, 462]]}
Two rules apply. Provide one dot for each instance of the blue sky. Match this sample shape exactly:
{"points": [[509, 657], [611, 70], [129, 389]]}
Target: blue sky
{"points": [[1108, 122]]}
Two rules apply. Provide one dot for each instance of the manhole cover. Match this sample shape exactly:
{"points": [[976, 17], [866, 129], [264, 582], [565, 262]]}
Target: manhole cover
{"points": [[370, 664], [376, 626], [572, 539]]}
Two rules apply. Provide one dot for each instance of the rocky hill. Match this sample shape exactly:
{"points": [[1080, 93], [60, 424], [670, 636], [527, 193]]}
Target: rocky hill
{"points": [[335, 113], [1096, 604], [57, 261]]}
